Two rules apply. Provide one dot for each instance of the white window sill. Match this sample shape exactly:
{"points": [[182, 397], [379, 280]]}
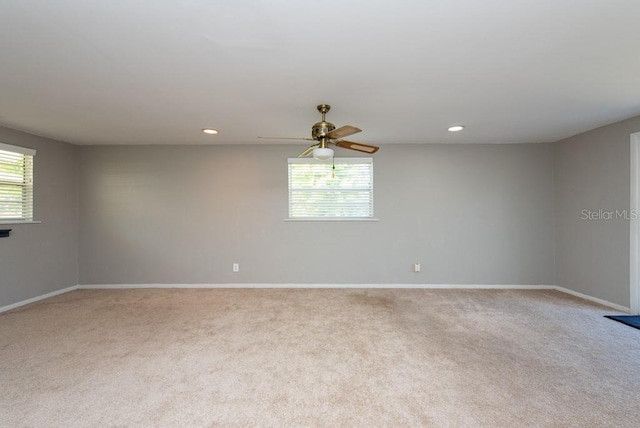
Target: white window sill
{"points": [[19, 222], [330, 219]]}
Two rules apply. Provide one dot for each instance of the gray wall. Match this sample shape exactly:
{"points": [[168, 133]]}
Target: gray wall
{"points": [[40, 258], [470, 214], [592, 173], [477, 214]]}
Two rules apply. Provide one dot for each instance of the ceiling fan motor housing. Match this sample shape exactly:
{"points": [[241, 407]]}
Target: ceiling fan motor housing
{"points": [[321, 129]]}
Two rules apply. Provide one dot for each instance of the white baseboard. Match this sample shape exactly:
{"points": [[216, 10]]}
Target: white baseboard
{"points": [[35, 299], [594, 299], [378, 286], [279, 285]]}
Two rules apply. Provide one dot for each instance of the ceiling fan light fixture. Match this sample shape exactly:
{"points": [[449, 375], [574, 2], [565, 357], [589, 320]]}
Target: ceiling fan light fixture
{"points": [[322, 153], [455, 128]]}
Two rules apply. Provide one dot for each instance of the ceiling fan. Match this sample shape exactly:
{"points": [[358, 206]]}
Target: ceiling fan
{"points": [[325, 133]]}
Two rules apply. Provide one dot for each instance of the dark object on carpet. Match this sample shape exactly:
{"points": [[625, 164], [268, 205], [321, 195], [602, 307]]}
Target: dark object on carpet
{"points": [[630, 320], [4, 233]]}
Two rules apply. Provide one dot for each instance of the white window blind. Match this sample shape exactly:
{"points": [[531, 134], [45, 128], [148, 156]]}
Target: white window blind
{"points": [[16, 183], [339, 188]]}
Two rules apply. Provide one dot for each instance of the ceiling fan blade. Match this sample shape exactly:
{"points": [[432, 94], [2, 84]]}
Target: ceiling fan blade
{"points": [[343, 131], [365, 148], [308, 151], [287, 138]]}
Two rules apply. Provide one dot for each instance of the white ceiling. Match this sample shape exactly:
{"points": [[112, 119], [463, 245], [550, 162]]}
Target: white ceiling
{"points": [[157, 71]]}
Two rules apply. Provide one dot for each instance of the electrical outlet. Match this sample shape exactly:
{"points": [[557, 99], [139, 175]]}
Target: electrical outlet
{"points": [[236, 267], [416, 267]]}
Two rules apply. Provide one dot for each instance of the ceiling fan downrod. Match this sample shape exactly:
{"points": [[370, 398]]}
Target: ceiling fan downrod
{"points": [[324, 109]]}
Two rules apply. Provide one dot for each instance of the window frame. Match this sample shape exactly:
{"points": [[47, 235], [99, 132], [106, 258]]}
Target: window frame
{"points": [[27, 184], [330, 163]]}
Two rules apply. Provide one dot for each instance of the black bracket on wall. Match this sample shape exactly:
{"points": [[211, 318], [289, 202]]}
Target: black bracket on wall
{"points": [[4, 233]]}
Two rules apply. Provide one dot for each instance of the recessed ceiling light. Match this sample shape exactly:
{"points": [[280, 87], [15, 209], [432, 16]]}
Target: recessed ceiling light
{"points": [[210, 131], [456, 128]]}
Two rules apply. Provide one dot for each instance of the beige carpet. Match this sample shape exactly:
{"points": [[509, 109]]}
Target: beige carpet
{"points": [[329, 357]]}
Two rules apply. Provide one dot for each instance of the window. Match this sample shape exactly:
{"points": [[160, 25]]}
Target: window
{"points": [[338, 189], [16, 183]]}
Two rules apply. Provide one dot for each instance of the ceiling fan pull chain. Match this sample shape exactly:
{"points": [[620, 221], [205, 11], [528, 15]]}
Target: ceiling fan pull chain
{"points": [[333, 170]]}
